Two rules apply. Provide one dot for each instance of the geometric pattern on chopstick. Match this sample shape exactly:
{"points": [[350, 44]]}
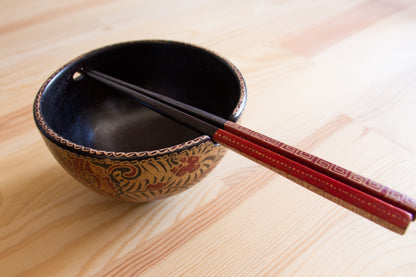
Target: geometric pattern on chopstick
{"points": [[357, 180]]}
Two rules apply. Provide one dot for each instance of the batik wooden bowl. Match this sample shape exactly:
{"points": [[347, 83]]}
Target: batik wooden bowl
{"points": [[117, 147]]}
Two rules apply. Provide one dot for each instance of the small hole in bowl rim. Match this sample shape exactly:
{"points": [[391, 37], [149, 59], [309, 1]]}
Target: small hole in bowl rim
{"points": [[77, 76]]}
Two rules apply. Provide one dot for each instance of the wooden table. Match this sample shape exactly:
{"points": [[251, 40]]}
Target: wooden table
{"points": [[335, 78]]}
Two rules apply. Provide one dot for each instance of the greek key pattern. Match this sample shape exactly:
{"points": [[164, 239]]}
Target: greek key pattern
{"points": [[341, 173], [359, 202]]}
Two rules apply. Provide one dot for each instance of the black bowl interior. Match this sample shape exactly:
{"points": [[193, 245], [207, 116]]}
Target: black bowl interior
{"points": [[93, 115]]}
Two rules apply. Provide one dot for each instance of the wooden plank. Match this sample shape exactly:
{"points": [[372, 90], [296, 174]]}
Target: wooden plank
{"points": [[335, 78]]}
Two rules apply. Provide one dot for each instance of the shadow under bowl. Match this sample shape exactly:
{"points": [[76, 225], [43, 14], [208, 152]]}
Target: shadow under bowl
{"points": [[119, 148]]}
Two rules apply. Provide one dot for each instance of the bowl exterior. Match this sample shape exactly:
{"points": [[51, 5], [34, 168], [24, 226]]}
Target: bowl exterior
{"points": [[141, 180], [136, 176]]}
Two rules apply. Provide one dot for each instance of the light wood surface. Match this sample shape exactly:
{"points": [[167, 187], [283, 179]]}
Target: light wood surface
{"points": [[335, 78]]}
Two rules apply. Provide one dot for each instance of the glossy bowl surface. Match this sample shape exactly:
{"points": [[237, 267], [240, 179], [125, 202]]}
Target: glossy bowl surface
{"points": [[116, 146]]}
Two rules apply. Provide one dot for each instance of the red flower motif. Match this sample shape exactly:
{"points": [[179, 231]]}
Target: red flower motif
{"points": [[157, 186], [190, 165]]}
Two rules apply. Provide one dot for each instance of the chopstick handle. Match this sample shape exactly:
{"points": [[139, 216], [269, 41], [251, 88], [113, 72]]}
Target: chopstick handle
{"points": [[358, 201], [334, 171], [353, 199]]}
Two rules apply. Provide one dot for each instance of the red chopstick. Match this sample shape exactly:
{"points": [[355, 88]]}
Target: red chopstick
{"points": [[378, 203]]}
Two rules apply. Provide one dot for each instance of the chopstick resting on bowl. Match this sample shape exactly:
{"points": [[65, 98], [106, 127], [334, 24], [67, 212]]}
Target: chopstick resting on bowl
{"points": [[363, 196]]}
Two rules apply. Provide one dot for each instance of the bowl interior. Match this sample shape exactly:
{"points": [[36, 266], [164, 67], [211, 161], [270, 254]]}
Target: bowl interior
{"points": [[93, 115]]}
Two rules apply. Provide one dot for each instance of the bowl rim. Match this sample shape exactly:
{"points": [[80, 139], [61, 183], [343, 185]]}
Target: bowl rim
{"points": [[55, 138]]}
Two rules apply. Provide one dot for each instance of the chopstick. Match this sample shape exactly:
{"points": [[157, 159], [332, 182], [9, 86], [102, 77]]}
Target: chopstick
{"points": [[378, 203]]}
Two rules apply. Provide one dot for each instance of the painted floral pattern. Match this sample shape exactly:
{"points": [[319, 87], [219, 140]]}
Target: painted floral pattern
{"points": [[141, 180], [188, 165]]}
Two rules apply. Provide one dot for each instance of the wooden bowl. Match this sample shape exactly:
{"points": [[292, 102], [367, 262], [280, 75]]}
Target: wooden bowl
{"points": [[119, 148]]}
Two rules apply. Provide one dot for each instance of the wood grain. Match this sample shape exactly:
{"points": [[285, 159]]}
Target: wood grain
{"points": [[335, 78]]}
